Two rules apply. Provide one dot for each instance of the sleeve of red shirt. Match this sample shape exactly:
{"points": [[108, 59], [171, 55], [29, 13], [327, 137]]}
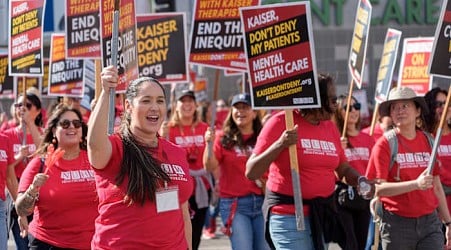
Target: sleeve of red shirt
{"points": [[272, 130], [28, 174], [217, 147]]}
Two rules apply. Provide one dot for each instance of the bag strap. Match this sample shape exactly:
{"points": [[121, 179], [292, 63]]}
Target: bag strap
{"points": [[392, 139], [41, 167]]}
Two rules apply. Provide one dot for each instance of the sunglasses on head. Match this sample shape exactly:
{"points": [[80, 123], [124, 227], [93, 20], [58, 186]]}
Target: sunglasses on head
{"points": [[356, 106], [20, 104], [65, 124]]}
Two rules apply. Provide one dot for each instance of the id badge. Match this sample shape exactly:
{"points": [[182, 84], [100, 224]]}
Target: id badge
{"points": [[167, 199]]}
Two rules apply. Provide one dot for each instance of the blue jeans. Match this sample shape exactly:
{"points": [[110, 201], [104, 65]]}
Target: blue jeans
{"points": [[285, 235], [248, 223], [3, 225]]}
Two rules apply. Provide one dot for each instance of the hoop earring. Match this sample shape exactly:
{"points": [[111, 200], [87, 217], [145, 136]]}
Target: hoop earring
{"points": [[54, 140]]}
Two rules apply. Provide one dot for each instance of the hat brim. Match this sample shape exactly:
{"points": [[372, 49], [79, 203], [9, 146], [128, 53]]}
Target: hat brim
{"points": [[384, 108]]}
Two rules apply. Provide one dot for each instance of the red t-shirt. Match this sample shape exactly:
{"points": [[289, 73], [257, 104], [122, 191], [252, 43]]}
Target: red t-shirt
{"points": [[4, 155], [232, 165], [67, 207], [412, 160], [319, 153], [377, 133], [444, 154], [124, 226], [15, 141], [359, 155]]}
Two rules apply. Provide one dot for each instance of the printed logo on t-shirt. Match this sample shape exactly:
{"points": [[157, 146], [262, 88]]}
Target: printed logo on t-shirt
{"points": [[3, 156], [17, 147], [175, 172], [240, 152], [444, 150], [318, 147], [413, 160], [77, 176], [358, 153], [187, 141]]}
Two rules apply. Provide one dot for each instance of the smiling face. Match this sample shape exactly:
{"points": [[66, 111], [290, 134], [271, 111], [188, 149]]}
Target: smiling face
{"points": [[147, 110], [70, 136], [243, 115], [186, 107], [354, 112]]}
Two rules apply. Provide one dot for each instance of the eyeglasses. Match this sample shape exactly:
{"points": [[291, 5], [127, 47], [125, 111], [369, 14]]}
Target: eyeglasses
{"points": [[356, 106], [65, 124], [439, 104], [20, 104]]}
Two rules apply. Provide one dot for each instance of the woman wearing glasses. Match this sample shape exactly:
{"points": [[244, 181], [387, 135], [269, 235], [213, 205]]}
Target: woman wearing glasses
{"points": [[59, 188], [23, 146], [435, 99], [353, 210]]}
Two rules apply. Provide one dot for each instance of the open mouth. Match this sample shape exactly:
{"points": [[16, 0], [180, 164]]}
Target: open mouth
{"points": [[152, 118]]}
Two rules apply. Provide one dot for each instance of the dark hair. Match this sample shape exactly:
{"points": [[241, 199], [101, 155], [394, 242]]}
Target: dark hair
{"points": [[429, 98], [143, 170], [49, 137], [232, 135], [34, 99], [324, 83]]}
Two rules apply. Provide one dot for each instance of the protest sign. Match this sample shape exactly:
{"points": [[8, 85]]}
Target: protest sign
{"points": [[82, 29], [387, 65], [30, 82], [25, 48], [440, 61], [359, 41], [216, 38], [6, 81], [66, 75], [162, 47], [413, 68], [281, 57], [45, 79], [127, 52]]}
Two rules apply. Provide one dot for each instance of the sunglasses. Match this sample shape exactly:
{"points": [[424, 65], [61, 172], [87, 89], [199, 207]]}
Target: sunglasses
{"points": [[356, 106], [65, 124], [20, 104], [439, 104]]}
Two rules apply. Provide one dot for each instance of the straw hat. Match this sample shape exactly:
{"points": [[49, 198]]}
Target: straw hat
{"points": [[401, 93]]}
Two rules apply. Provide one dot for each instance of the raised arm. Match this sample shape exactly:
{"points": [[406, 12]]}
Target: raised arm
{"points": [[210, 163], [257, 165], [99, 146]]}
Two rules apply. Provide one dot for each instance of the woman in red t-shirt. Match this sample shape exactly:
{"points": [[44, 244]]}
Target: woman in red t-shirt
{"points": [[240, 198], [142, 180], [413, 200], [59, 188], [187, 130], [353, 210]]}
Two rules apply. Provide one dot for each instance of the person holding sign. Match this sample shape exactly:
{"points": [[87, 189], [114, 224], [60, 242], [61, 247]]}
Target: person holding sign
{"points": [[436, 99], [413, 201], [240, 198], [353, 210], [187, 130], [58, 187], [23, 146], [142, 181], [320, 158]]}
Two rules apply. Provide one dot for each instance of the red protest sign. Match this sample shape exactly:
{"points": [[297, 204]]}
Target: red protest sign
{"points": [[359, 41], [66, 75], [82, 29], [127, 52], [281, 57], [440, 61], [387, 65], [161, 42], [216, 38], [25, 37], [6, 81], [413, 68]]}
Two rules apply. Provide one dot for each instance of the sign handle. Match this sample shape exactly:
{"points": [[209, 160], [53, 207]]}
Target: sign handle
{"points": [[24, 105], [348, 107], [114, 52], [299, 207], [373, 120], [213, 111]]}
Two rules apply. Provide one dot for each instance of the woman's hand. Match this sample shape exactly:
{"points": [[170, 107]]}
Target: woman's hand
{"points": [[288, 137], [209, 135], [38, 181], [109, 77], [424, 181], [23, 225]]}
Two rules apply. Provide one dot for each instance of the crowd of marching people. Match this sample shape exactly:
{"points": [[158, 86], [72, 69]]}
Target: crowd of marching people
{"points": [[159, 181]]}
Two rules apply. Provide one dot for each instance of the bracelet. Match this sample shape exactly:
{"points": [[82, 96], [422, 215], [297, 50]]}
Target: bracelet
{"points": [[447, 223]]}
